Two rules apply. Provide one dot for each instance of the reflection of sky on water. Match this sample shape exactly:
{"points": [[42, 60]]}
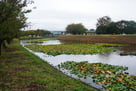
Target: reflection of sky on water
{"points": [[110, 57], [113, 58], [53, 42]]}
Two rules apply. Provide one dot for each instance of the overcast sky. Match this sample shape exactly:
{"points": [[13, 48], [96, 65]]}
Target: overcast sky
{"points": [[57, 14]]}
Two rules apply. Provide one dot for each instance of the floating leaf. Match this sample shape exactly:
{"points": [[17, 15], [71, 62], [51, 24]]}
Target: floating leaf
{"points": [[111, 77]]}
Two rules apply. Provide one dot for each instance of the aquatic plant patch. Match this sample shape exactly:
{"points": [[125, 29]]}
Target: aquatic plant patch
{"points": [[71, 49], [111, 77]]}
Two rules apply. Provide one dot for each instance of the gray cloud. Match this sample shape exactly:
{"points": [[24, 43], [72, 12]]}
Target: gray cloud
{"points": [[57, 14]]}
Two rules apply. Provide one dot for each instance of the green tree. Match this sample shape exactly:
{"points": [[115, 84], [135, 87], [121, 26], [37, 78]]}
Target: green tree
{"points": [[121, 25], [102, 25], [38, 32], [115, 28], [41, 32], [112, 28], [130, 28], [103, 21], [106, 26], [12, 19], [46, 32], [76, 29], [101, 30]]}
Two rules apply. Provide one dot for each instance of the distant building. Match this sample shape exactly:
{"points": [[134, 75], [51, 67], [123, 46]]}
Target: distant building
{"points": [[57, 33], [91, 32]]}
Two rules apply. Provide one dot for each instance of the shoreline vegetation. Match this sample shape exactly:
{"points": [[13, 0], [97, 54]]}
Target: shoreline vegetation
{"points": [[39, 38], [20, 70], [73, 48], [129, 41], [91, 39]]}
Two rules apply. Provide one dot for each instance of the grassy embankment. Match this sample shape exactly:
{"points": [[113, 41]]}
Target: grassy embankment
{"points": [[20, 70]]}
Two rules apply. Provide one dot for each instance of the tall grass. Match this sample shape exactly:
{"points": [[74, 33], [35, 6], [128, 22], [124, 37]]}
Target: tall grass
{"points": [[117, 39]]}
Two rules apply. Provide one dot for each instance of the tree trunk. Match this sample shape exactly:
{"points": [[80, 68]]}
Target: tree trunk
{"points": [[0, 46], [9, 41], [4, 44], [1, 41]]}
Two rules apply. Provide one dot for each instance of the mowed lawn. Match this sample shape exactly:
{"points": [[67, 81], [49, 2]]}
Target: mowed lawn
{"points": [[20, 70]]}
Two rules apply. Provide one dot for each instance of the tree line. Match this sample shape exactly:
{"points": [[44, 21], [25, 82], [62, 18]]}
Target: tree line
{"points": [[38, 32], [105, 26], [12, 19]]}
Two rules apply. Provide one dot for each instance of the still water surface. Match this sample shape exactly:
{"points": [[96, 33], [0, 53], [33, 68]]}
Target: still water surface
{"points": [[113, 58]]}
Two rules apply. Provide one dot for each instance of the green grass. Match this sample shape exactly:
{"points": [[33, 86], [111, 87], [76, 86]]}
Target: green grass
{"points": [[72, 48], [20, 70]]}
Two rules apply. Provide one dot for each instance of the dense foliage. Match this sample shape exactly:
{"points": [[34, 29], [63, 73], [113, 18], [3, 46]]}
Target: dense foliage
{"points": [[38, 32], [75, 29], [130, 28], [12, 19], [106, 26], [112, 78], [71, 49]]}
